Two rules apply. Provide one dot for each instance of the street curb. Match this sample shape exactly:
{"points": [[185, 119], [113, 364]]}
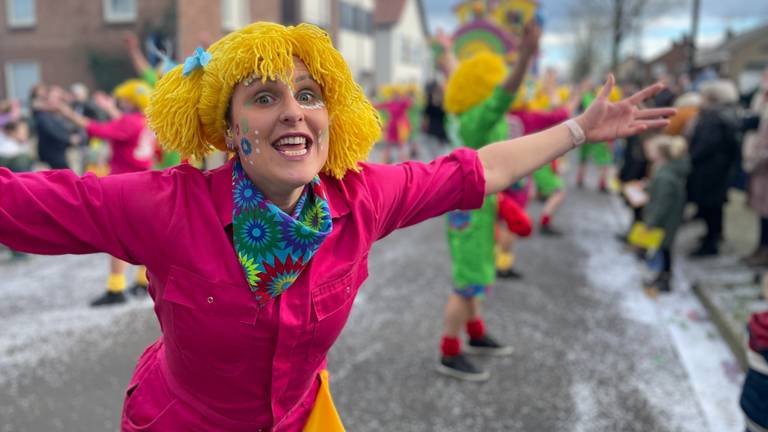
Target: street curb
{"points": [[731, 335]]}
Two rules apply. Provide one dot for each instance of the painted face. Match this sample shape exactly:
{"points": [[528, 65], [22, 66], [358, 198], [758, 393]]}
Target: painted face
{"points": [[281, 133]]}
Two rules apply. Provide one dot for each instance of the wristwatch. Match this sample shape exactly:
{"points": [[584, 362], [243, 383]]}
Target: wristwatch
{"points": [[577, 133]]}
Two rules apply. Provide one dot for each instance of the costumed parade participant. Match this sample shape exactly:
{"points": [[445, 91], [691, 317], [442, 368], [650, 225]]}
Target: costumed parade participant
{"points": [[133, 149], [398, 127], [151, 74], [600, 152], [478, 95], [544, 110], [254, 266]]}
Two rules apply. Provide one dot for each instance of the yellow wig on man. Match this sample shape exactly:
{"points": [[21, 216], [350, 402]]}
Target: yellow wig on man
{"points": [[473, 81], [188, 112]]}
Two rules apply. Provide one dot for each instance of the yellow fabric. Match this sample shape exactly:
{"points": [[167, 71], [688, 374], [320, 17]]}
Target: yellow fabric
{"points": [[134, 91], [188, 112], [642, 236], [116, 282], [473, 81], [504, 260], [141, 276], [324, 417]]}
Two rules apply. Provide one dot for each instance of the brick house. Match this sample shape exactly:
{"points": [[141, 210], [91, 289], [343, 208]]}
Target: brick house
{"points": [[71, 41]]}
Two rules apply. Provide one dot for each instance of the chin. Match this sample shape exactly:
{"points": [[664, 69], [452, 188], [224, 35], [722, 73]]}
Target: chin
{"points": [[299, 177]]}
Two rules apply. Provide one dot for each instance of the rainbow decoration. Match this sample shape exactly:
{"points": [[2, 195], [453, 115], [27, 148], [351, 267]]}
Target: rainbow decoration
{"points": [[481, 35]]}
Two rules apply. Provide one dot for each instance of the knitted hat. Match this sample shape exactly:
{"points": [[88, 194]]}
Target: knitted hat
{"points": [[134, 91], [473, 81], [188, 107]]}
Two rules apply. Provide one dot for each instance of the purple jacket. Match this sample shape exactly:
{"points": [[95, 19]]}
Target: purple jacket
{"points": [[224, 363]]}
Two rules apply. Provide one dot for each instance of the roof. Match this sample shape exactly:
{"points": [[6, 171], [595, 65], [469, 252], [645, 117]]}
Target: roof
{"points": [[722, 52], [388, 13]]}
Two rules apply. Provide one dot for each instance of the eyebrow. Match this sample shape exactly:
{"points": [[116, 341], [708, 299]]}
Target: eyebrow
{"points": [[301, 78]]}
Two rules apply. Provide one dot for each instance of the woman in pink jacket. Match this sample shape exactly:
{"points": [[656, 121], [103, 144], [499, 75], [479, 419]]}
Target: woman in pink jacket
{"points": [[253, 266]]}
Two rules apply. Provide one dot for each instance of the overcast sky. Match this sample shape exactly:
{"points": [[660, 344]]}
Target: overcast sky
{"points": [[658, 33]]}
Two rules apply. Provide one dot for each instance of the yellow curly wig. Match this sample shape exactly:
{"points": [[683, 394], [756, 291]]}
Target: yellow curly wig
{"points": [[134, 91], [473, 81], [188, 113]]}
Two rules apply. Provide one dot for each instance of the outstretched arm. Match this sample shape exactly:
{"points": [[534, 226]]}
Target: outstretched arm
{"points": [[140, 63], [505, 162]]}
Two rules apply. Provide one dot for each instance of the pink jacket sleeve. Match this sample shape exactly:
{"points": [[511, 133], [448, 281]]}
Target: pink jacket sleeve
{"points": [[119, 130], [57, 212], [411, 192]]}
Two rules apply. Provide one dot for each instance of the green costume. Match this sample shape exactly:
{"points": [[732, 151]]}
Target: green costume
{"points": [[599, 153], [547, 181], [471, 233]]}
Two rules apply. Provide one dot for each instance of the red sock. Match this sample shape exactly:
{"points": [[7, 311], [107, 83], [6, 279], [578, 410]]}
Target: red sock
{"points": [[545, 218], [476, 328], [450, 346]]}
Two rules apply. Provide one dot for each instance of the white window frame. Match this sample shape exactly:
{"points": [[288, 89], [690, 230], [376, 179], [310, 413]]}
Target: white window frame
{"points": [[9, 84], [13, 22], [113, 17], [235, 14]]}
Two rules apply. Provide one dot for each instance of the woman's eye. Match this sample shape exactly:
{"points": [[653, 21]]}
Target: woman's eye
{"points": [[306, 96], [264, 99]]}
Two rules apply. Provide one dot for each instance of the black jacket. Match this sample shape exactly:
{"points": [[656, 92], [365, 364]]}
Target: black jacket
{"points": [[714, 150]]}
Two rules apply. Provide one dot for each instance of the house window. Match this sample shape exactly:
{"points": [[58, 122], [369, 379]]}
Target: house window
{"points": [[20, 77], [119, 11], [234, 14], [405, 50], [347, 16], [20, 13]]}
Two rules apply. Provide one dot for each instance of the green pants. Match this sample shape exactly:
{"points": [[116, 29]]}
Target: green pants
{"points": [[471, 241]]}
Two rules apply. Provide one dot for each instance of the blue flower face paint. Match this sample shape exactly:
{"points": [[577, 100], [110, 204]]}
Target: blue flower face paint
{"points": [[245, 145]]}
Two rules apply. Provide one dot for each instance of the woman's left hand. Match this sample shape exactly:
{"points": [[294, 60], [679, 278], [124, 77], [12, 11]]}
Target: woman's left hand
{"points": [[605, 120]]}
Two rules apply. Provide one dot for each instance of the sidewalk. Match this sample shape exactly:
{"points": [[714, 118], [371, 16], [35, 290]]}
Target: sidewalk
{"points": [[728, 289]]}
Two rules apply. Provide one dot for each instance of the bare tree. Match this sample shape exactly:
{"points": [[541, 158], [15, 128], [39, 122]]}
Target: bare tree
{"points": [[620, 18]]}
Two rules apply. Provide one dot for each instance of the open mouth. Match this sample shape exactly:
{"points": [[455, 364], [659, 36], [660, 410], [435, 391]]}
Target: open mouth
{"points": [[293, 146]]}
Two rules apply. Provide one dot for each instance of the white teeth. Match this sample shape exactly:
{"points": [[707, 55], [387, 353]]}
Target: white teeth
{"points": [[301, 152], [292, 140]]}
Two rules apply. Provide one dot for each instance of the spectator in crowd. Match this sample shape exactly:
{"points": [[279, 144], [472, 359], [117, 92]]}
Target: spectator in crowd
{"points": [[755, 163], [434, 115], [754, 393], [14, 146], [54, 133], [666, 191], [714, 151]]}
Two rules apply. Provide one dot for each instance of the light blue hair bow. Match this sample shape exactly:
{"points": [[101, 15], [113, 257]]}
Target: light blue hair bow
{"points": [[199, 59]]}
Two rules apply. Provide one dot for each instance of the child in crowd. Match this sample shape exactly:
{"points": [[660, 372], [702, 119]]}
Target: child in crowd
{"points": [[670, 167]]}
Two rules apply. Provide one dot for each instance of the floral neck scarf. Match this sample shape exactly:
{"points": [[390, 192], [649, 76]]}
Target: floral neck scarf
{"points": [[274, 247]]}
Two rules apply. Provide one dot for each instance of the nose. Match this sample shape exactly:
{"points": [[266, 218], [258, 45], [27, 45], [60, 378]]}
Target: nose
{"points": [[292, 112]]}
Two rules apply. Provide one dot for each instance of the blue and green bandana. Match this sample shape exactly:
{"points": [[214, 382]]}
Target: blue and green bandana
{"points": [[274, 247]]}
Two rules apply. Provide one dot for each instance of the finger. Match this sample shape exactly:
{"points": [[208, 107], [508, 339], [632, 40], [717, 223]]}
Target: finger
{"points": [[645, 93], [655, 112], [607, 87], [651, 124]]}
